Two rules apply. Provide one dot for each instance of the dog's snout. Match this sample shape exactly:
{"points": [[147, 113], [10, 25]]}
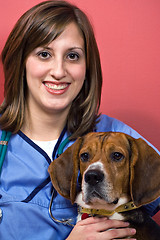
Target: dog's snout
{"points": [[93, 177]]}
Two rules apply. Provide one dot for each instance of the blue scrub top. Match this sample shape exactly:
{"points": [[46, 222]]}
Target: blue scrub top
{"points": [[25, 188]]}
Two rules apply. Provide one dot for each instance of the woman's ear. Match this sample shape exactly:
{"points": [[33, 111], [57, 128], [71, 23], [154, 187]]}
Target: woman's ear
{"points": [[144, 172], [64, 171]]}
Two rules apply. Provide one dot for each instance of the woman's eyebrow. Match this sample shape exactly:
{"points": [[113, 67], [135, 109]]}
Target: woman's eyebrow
{"points": [[46, 47], [73, 48], [68, 49]]}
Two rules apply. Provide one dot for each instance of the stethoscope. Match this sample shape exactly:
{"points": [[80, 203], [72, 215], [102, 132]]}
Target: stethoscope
{"points": [[3, 148], [63, 221]]}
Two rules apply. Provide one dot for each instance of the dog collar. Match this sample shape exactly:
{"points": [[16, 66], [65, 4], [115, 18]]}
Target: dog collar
{"points": [[103, 212]]}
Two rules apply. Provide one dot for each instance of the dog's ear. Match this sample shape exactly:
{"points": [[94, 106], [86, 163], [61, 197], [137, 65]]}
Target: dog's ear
{"points": [[144, 172], [64, 171]]}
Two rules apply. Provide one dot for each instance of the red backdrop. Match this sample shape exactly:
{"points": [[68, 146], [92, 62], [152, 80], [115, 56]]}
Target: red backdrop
{"points": [[128, 36]]}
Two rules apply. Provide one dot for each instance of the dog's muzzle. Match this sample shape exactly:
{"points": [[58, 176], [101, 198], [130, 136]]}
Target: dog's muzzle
{"points": [[94, 185], [96, 188]]}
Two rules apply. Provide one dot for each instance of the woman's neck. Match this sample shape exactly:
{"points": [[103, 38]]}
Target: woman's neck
{"points": [[43, 128]]}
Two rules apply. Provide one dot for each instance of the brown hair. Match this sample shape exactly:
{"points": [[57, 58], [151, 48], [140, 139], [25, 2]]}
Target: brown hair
{"points": [[39, 26]]}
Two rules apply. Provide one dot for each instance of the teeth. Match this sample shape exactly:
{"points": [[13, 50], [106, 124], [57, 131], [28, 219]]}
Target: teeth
{"points": [[56, 87]]}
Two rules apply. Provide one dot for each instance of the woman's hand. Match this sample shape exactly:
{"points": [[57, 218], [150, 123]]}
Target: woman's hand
{"points": [[101, 228]]}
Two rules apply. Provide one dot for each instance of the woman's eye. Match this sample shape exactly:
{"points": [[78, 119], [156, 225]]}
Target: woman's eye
{"points": [[44, 55], [73, 56]]}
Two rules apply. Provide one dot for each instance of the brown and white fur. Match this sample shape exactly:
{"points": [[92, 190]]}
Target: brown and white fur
{"points": [[115, 169]]}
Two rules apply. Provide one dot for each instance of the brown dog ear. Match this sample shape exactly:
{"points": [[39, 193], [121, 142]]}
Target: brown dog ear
{"points": [[64, 171], [144, 171]]}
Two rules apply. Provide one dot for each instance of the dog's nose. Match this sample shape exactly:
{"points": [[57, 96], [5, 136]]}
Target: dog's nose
{"points": [[93, 177]]}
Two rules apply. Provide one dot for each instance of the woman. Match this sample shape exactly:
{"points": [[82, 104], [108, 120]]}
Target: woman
{"points": [[52, 93]]}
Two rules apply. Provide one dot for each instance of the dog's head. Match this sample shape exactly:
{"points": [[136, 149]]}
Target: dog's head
{"points": [[112, 166]]}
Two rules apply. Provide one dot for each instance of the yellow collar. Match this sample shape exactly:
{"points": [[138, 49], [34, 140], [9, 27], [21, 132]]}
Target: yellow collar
{"points": [[103, 212]]}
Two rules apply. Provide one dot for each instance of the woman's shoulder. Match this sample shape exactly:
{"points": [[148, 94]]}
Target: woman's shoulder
{"points": [[110, 124], [107, 124]]}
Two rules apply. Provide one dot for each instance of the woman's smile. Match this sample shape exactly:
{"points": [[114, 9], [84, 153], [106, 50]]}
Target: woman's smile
{"points": [[56, 88]]}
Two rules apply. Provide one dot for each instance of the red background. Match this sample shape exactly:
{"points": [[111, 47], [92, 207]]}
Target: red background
{"points": [[128, 36]]}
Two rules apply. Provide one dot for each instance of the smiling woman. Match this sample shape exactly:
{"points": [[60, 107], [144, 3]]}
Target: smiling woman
{"points": [[55, 75], [38, 36]]}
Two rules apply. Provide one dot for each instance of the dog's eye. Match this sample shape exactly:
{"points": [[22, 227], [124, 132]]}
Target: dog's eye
{"points": [[117, 156], [84, 157]]}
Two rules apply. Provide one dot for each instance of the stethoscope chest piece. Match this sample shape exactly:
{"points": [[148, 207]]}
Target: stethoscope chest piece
{"points": [[1, 214]]}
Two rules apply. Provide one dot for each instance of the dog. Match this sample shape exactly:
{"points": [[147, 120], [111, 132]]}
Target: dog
{"points": [[113, 174]]}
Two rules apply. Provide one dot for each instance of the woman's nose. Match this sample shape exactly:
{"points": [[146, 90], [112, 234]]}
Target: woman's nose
{"points": [[58, 69]]}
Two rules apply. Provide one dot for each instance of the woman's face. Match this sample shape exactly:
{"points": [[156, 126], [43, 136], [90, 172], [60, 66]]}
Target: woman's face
{"points": [[55, 73]]}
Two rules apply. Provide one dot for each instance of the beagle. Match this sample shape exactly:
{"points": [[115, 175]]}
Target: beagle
{"points": [[116, 175]]}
